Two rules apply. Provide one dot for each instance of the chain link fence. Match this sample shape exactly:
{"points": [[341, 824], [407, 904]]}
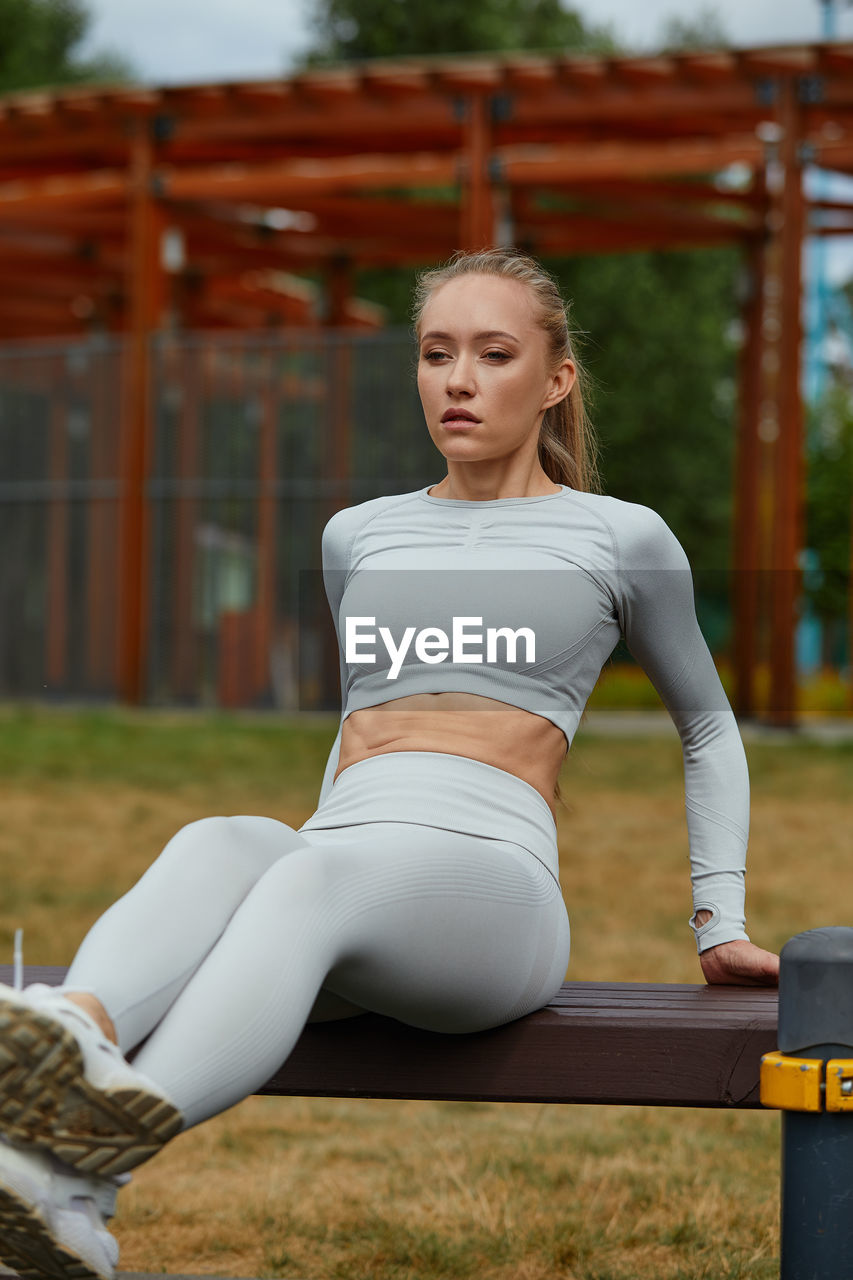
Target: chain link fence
{"points": [[254, 442]]}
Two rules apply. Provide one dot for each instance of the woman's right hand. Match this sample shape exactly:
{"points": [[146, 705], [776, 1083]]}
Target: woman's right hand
{"points": [[740, 963]]}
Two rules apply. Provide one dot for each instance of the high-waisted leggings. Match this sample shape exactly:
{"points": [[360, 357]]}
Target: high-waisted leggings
{"points": [[424, 887]]}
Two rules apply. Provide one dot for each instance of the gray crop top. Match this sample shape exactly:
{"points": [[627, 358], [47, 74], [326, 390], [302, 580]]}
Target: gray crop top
{"points": [[523, 600]]}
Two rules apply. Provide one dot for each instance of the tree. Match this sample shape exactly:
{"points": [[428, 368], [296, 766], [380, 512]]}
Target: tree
{"points": [[829, 510], [655, 336], [37, 43], [347, 30]]}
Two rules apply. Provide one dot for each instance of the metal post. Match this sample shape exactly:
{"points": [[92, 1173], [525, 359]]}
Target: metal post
{"points": [[816, 1022]]}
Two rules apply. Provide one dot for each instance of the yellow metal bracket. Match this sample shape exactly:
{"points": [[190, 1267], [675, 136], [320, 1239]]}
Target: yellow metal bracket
{"points": [[791, 1084], [797, 1084]]}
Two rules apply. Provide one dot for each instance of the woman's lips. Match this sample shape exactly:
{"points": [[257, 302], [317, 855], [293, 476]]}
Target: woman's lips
{"points": [[454, 423]]}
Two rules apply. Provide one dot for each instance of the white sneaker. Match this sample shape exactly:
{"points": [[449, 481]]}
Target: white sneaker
{"points": [[66, 1088], [52, 1219]]}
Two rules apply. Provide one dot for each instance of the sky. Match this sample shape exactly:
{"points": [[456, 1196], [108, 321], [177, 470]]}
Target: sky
{"points": [[180, 41], [185, 41]]}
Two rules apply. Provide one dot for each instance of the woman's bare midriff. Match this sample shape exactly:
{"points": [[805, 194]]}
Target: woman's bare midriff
{"points": [[464, 724]]}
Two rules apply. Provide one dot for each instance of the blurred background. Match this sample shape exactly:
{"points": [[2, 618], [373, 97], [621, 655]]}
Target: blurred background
{"points": [[209, 229], [211, 217]]}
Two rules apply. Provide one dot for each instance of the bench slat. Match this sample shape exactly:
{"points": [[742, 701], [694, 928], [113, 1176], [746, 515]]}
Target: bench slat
{"points": [[640, 1043]]}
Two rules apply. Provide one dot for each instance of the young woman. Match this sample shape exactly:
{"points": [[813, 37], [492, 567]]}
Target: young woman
{"points": [[424, 887]]}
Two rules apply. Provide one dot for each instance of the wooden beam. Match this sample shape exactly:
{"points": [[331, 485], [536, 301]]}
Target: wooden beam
{"points": [[708, 68], [541, 165], [644, 72], [145, 292], [641, 192], [477, 229], [68, 148], [784, 61], [287, 179], [745, 541], [572, 165], [530, 73], [63, 191], [589, 236], [469, 76], [787, 513]]}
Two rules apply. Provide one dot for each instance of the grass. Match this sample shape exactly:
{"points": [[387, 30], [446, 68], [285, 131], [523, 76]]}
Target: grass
{"points": [[317, 1189], [825, 692]]}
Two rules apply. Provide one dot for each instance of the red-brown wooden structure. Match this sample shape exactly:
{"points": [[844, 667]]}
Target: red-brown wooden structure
{"points": [[136, 209]]}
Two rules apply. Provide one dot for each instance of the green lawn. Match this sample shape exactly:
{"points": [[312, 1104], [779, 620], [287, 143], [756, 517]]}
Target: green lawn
{"points": [[309, 1189]]}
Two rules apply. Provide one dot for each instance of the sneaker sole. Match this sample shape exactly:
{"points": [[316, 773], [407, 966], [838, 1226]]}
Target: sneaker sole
{"points": [[46, 1101], [27, 1245]]}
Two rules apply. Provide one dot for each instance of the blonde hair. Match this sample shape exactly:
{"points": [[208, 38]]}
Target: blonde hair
{"points": [[567, 447]]}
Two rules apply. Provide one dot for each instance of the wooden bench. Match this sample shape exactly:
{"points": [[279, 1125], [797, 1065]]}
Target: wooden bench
{"points": [[659, 1044]]}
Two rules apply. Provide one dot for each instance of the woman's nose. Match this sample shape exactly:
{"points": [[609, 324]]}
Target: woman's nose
{"points": [[460, 375]]}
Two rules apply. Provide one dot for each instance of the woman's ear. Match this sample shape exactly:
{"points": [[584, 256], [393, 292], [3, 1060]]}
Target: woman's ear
{"points": [[562, 380]]}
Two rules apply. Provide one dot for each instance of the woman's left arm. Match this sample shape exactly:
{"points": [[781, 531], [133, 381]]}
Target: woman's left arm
{"points": [[658, 617]]}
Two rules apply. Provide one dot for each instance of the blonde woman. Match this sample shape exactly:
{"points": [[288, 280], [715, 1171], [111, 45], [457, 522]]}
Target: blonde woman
{"points": [[474, 616]]}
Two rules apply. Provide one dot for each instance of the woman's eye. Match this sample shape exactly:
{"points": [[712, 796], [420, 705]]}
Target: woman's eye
{"points": [[497, 357], [434, 357]]}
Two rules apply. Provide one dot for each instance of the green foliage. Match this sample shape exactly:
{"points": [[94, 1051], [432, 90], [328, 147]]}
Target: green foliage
{"points": [[828, 502], [161, 752], [347, 30], [37, 43], [655, 338]]}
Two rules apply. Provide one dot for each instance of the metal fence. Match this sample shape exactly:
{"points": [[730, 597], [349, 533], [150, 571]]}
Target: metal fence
{"points": [[254, 442]]}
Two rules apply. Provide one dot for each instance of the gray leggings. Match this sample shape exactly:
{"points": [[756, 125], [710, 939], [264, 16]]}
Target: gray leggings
{"points": [[424, 888]]}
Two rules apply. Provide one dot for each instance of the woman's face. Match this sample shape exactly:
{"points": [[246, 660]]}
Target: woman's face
{"points": [[483, 372]]}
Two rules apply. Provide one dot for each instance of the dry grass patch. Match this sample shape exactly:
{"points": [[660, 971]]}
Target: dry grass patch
{"points": [[327, 1189]]}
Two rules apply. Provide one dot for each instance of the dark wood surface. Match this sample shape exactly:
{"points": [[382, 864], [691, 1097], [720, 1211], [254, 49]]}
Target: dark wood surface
{"points": [[608, 1042]]}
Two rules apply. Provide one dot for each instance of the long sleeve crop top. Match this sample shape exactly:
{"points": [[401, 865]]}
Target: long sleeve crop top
{"points": [[523, 600]]}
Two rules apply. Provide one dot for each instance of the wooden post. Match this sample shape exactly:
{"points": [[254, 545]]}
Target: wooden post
{"points": [[746, 525], [339, 364], [145, 293], [788, 479], [478, 201], [339, 285]]}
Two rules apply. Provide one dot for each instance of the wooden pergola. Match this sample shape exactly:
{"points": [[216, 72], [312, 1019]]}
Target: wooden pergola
{"points": [[136, 209]]}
